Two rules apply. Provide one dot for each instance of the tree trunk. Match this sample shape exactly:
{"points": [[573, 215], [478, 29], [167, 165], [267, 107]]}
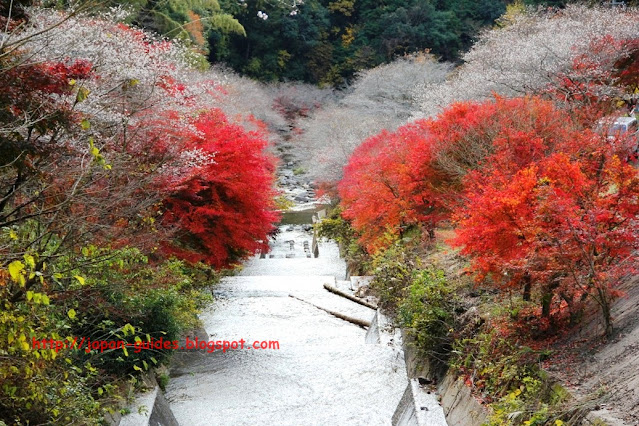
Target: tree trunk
{"points": [[605, 310], [546, 301], [527, 288]]}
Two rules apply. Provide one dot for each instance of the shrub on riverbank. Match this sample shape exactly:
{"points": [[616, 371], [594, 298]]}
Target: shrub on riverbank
{"points": [[429, 312], [123, 299], [476, 335]]}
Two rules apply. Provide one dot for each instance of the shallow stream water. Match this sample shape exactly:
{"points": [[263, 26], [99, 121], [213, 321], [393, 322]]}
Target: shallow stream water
{"points": [[323, 372]]}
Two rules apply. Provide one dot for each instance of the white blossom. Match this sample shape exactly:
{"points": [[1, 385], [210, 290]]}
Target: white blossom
{"points": [[526, 55], [381, 98]]}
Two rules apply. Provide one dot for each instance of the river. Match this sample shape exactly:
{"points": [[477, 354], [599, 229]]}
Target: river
{"points": [[323, 372]]}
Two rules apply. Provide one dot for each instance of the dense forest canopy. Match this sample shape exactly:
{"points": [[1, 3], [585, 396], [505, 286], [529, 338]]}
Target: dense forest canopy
{"points": [[328, 41], [320, 41]]}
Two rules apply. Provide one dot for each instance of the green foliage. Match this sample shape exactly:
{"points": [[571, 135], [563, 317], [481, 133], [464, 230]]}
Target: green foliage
{"points": [[96, 294], [512, 408], [428, 313], [328, 41], [394, 272], [336, 228], [282, 203], [227, 24], [38, 384], [509, 378], [497, 364], [154, 301], [163, 380], [533, 403]]}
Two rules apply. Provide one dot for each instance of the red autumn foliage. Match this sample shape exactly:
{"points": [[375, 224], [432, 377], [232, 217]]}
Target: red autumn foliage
{"points": [[27, 89], [560, 224], [161, 168], [414, 176], [224, 209], [381, 191], [504, 134], [36, 107], [539, 202]]}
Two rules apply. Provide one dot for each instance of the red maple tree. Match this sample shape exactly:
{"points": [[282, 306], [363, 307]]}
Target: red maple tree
{"points": [[554, 209], [387, 185], [223, 210]]}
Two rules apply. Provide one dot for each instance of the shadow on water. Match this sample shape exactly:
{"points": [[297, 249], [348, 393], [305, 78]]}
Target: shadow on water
{"points": [[300, 217]]}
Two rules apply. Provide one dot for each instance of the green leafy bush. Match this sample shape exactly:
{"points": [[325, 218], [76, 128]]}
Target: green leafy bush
{"points": [[96, 294], [428, 312], [507, 376], [37, 384], [139, 303], [338, 229], [533, 403], [393, 269], [496, 364]]}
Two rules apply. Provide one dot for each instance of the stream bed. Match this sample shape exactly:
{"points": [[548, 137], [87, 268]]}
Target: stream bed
{"points": [[323, 372]]}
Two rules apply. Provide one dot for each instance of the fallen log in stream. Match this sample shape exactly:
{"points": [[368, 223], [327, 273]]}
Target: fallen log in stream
{"points": [[349, 297], [356, 321]]}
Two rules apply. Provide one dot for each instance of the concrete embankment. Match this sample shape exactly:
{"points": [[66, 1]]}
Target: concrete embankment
{"points": [[459, 406], [419, 405], [148, 408]]}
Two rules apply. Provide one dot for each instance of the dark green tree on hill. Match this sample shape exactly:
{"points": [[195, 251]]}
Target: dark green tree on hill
{"points": [[325, 41]]}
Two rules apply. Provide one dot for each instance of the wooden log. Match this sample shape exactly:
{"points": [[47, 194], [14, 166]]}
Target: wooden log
{"points": [[356, 321], [349, 297]]}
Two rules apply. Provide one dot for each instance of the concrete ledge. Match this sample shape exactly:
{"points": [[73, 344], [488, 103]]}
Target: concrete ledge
{"points": [[418, 407], [405, 414], [162, 414], [141, 409], [602, 417], [149, 409], [372, 334], [460, 407], [415, 365], [382, 331]]}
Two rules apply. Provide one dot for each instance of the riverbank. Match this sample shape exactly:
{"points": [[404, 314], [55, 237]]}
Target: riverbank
{"points": [[492, 365]]}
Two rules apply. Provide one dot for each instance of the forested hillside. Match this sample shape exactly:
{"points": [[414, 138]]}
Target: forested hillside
{"points": [[327, 41], [319, 41]]}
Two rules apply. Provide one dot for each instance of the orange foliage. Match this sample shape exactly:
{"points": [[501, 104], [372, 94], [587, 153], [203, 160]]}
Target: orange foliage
{"points": [[195, 28]]}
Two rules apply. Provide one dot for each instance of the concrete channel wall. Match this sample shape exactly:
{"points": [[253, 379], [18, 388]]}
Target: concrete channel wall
{"points": [[149, 408], [460, 407]]}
